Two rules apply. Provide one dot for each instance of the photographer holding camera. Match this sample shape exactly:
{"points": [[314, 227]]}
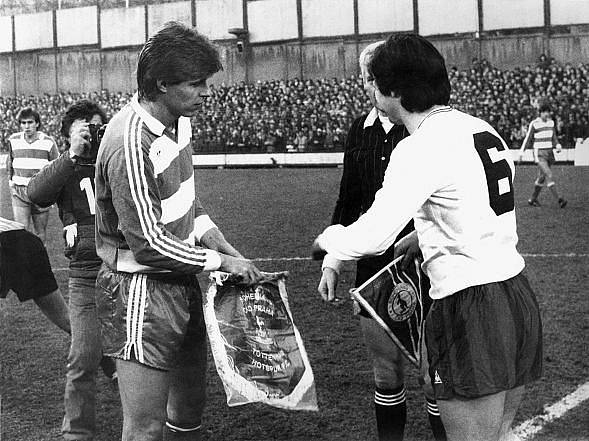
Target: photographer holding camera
{"points": [[69, 181]]}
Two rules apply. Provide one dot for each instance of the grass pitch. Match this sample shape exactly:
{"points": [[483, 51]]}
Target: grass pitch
{"points": [[276, 213]]}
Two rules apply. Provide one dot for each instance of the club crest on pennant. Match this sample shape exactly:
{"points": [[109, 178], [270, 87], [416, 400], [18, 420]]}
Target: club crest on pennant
{"points": [[402, 302], [397, 299]]}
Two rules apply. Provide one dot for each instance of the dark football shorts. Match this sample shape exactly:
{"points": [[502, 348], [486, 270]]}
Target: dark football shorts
{"points": [[24, 266], [484, 339], [156, 320]]}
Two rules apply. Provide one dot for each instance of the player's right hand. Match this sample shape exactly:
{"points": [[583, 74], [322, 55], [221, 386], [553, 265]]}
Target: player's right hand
{"points": [[79, 138], [244, 269], [328, 284], [408, 247]]}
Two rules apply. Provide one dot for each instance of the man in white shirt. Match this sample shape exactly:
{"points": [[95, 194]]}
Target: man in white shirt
{"points": [[370, 141], [483, 332]]}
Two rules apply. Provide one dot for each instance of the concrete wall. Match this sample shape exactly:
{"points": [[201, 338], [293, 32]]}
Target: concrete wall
{"points": [[6, 74], [506, 14], [91, 47], [507, 52]]}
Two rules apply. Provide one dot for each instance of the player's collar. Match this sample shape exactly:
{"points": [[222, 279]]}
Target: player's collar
{"points": [[435, 111], [153, 124], [387, 125], [38, 136]]}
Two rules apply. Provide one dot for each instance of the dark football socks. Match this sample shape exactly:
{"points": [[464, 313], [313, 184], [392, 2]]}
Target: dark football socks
{"points": [[435, 421], [391, 413]]}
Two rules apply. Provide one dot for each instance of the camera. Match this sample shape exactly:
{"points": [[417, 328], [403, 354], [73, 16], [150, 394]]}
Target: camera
{"points": [[96, 134]]}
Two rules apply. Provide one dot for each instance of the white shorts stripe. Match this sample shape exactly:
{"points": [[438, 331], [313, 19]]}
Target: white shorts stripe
{"points": [[135, 315], [141, 316], [129, 320]]}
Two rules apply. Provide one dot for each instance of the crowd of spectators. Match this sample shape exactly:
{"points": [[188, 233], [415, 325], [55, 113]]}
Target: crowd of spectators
{"points": [[315, 114]]}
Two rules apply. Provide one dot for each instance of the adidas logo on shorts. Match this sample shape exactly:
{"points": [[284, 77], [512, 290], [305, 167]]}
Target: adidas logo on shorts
{"points": [[437, 379]]}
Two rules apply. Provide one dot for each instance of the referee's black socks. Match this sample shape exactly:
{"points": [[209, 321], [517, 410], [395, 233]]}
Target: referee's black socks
{"points": [[391, 413]]}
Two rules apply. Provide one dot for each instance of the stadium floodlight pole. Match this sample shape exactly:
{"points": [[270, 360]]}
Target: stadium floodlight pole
{"points": [[242, 46]]}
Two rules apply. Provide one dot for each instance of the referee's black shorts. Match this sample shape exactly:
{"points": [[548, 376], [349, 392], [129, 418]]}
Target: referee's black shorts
{"points": [[24, 266], [484, 339]]}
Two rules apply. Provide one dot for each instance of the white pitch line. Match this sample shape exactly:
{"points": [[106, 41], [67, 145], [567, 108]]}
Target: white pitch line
{"points": [[289, 259], [526, 430], [556, 255], [529, 428], [550, 255]]}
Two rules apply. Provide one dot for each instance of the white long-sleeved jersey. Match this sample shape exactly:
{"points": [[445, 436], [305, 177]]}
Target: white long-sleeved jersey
{"points": [[454, 176]]}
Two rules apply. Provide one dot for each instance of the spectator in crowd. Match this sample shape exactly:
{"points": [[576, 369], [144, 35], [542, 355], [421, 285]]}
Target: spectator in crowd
{"points": [[502, 96], [69, 182], [29, 150], [301, 140]]}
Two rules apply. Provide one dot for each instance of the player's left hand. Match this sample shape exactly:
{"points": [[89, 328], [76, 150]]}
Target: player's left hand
{"points": [[317, 253], [558, 148], [408, 247]]}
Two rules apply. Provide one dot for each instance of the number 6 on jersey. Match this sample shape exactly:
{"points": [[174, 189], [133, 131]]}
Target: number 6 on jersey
{"points": [[497, 170]]}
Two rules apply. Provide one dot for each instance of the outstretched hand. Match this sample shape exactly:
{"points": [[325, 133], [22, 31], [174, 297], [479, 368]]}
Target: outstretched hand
{"points": [[328, 284]]}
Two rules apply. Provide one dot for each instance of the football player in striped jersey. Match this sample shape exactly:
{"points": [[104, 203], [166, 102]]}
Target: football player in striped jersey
{"points": [[541, 136], [154, 236], [28, 152]]}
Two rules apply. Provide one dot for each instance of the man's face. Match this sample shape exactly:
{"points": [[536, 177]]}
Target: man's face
{"points": [[388, 105], [368, 83], [96, 120], [186, 98], [545, 115], [29, 126]]}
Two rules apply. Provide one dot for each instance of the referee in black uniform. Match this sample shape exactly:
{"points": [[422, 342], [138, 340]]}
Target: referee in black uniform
{"points": [[370, 141]]}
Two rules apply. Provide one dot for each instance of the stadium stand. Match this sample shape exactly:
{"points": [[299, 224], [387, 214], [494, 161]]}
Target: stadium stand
{"points": [[314, 115]]}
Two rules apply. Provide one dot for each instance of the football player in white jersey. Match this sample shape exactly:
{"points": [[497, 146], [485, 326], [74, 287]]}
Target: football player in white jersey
{"points": [[454, 176]]}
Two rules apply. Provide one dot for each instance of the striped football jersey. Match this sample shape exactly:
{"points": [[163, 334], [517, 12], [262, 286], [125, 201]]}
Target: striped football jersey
{"points": [[541, 134], [25, 159], [148, 215]]}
